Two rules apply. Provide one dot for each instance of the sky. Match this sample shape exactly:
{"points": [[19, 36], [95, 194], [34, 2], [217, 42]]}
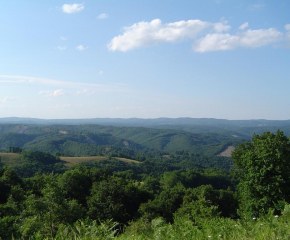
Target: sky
{"points": [[224, 59]]}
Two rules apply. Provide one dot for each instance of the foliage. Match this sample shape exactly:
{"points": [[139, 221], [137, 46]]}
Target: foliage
{"points": [[155, 199], [264, 168]]}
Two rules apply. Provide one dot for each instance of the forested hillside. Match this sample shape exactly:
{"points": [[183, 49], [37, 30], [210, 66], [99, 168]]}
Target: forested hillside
{"points": [[137, 143], [153, 199]]}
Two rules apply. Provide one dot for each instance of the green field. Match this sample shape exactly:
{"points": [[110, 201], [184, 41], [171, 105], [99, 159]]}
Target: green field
{"points": [[70, 161], [10, 159], [13, 159]]}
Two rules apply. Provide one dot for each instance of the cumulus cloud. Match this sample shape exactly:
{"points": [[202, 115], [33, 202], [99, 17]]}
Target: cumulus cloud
{"points": [[103, 16], [73, 8], [248, 39], [56, 93], [61, 48], [81, 48], [149, 33], [287, 27], [7, 98], [244, 25]]}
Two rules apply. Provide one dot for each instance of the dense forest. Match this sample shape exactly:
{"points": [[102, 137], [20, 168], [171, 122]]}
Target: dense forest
{"points": [[140, 187]]}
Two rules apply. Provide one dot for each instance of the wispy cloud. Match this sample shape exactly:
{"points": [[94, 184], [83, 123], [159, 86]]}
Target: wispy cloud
{"points": [[247, 39], [63, 38], [85, 91], [244, 25], [81, 48], [62, 84], [59, 106], [287, 34], [103, 16], [7, 98], [56, 93], [73, 8], [100, 72], [144, 34], [61, 48], [256, 6]]}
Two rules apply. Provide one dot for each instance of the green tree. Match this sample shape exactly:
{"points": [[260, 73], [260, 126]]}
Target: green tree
{"points": [[264, 167], [115, 199]]}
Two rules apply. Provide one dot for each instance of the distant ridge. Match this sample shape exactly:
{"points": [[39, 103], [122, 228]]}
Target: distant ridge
{"points": [[140, 122]]}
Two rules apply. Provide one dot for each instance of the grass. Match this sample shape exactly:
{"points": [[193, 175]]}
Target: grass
{"points": [[10, 159], [70, 161], [269, 228], [227, 152], [13, 159]]}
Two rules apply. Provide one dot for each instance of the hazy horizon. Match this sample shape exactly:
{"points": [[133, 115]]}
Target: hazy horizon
{"points": [[256, 119], [147, 59]]}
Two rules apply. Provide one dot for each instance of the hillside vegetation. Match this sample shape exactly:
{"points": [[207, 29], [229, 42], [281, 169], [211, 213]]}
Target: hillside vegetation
{"points": [[112, 197]]}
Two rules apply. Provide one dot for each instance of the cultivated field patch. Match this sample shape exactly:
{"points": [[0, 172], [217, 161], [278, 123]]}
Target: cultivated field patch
{"points": [[227, 152], [70, 161], [10, 159]]}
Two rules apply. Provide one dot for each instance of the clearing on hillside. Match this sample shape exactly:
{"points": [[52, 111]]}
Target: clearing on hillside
{"points": [[227, 152], [10, 159], [13, 159], [70, 161]]}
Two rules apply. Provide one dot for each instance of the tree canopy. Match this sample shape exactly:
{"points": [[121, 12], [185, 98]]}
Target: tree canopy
{"points": [[264, 166]]}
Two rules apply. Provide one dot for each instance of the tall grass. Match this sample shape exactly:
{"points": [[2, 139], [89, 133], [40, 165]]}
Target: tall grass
{"points": [[269, 227]]}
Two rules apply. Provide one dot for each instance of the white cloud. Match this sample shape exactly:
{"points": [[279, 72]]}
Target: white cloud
{"points": [[85, 91], [149, 33], [61, 48], [287, 38], [73, 8], [56, 93], [7, 98], [248, 39], [63, 38], [244, 25], [255, 6], [81, 48], [64, 84], [103, 16], [101, 72]]}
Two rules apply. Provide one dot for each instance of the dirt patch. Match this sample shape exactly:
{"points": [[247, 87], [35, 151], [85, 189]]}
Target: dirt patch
{"points": [[227, 152], [236, 136], [126, 143], [167, 156]]}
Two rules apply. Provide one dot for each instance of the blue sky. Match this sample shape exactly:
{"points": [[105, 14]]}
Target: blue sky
{"points": [[213, 58]]}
